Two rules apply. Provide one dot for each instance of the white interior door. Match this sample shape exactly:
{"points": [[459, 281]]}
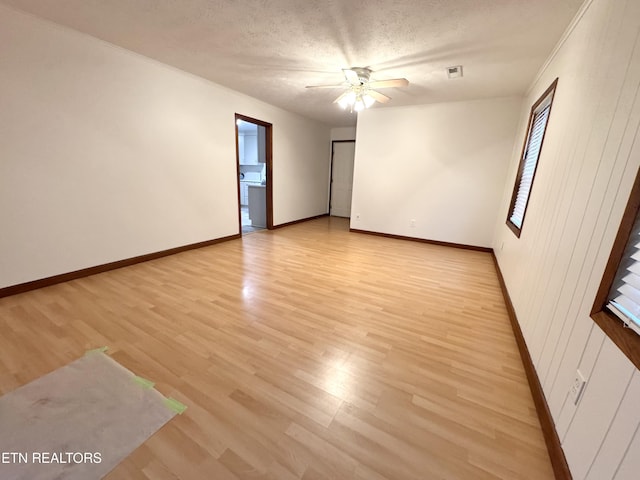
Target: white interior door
{"points": [[342, 178]]}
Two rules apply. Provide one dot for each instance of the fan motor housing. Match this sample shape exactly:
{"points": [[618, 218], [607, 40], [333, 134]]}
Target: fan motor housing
{"points": [[363, 74]]}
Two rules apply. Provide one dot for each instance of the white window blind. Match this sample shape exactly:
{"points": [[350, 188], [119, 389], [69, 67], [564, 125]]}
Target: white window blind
{"points": [[624, 297], [530, 159]]}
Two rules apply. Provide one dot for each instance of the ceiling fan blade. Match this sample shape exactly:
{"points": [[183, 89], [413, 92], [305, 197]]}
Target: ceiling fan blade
{"points": [[351, 76], [341, 85], [379, 97], [394, 82]]}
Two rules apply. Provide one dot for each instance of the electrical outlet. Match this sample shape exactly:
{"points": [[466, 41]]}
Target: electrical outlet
{"points": [[412, 223], [577, 387]]}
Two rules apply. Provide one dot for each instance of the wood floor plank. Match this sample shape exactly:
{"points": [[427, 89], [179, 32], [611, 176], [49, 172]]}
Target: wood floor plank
{"points": [[307, 352]]}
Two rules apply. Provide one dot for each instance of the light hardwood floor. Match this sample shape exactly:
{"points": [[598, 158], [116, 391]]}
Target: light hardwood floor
{"points": [[303, 353]]}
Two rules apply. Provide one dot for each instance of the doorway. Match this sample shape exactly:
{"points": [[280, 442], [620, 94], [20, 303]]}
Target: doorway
{"points": [[342, 157], [254, 147]]}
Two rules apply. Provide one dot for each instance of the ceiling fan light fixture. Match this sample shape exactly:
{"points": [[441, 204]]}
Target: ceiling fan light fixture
{"points": [[361, 92], [348, 98], [368, 100]]}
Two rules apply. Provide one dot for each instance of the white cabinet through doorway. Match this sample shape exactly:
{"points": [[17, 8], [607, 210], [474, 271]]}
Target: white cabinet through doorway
{"points": [[248, 149]]}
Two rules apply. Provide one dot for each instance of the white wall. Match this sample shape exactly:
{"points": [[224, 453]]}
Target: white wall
{"points": [[106, 155], [343, 133], [443, 165], [588, 163]]}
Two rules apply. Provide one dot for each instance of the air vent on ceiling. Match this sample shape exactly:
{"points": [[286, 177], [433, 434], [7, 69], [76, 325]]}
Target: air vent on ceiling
{"points": [[454, 72]]}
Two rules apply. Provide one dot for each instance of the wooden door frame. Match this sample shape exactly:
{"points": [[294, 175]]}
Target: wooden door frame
{"points": [[333, 142], [268, 147]]}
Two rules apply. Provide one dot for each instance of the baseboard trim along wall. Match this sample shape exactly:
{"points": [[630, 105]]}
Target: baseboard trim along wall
{"points": [[424, 240], [288, 224], [85, 272], [558, 460]]}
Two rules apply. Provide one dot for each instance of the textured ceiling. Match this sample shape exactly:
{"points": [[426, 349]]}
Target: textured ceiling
{"points": [[271, 49]]}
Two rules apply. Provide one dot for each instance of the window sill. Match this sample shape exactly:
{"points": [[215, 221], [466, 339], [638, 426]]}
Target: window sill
{"points": [[516, 231], [625, 338]]}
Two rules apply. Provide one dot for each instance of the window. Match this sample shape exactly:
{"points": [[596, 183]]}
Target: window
{"points": [[624, 296], [617, 305], [529, 160]]}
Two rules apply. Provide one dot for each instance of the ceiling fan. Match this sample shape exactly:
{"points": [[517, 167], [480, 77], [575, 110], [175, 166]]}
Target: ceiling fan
{"points": [[360, 93]]}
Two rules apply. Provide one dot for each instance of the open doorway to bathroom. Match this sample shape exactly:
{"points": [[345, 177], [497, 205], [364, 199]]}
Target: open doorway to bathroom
{"points": [[254, 160]]}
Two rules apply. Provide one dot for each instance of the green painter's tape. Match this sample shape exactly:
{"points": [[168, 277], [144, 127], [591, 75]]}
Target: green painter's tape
{"points": [[97, 350], [143, 382], [175, 405]]}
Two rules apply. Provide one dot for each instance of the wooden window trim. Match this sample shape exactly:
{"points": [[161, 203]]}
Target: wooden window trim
{"points": [[625, 338], [514, 228]]}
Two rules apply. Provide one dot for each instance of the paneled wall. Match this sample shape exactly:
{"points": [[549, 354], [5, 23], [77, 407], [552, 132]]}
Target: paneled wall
{"points": [[587, 166], [107, 155]]}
